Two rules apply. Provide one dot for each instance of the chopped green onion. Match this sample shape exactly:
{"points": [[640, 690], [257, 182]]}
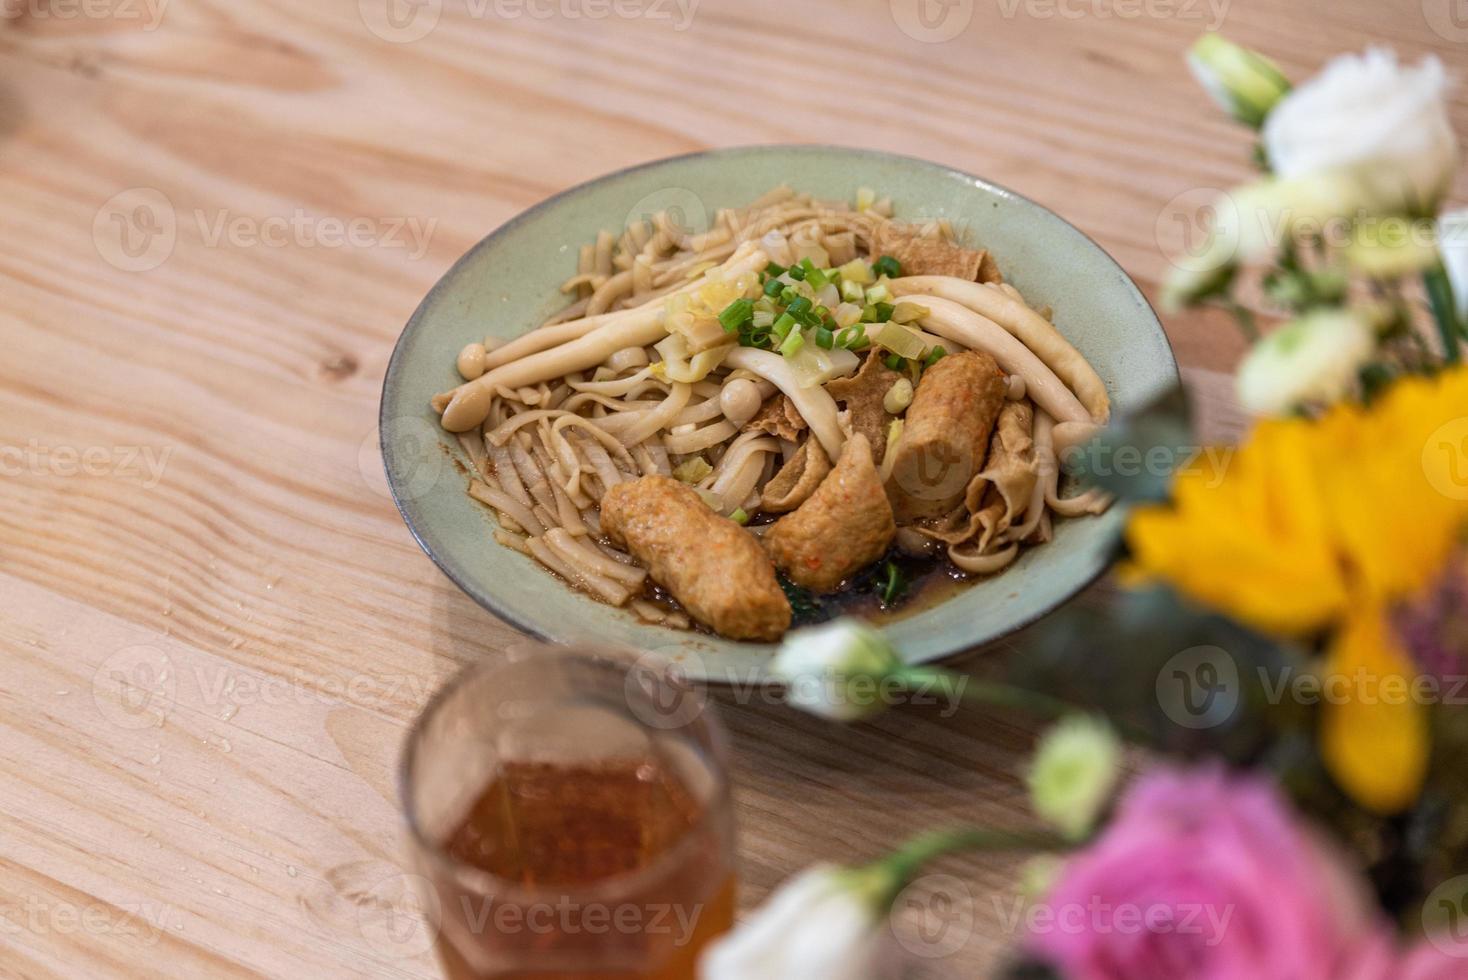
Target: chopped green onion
{"points": [[893, 583], [692, 470], [869, 313], [774, 269], [783, 325], [773, 287], [884, 311], [852, 292], [858, 272], [894, 362], [807, 266], [853, 337], [792, 344], [846, 314], [763, 318], [798, 305], [900, 340], [789, 295], [824, 338], [934, 356], [817, 279], [879, 293], [736, 314], [739, 516], [796, 271], [909, 312], [887, 266]]}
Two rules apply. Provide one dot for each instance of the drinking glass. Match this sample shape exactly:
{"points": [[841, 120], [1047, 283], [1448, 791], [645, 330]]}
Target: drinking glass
{"points": [[569, 811]]}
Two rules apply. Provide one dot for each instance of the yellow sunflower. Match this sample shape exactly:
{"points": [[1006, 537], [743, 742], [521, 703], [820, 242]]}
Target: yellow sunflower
{"points": [[1327, 524]]}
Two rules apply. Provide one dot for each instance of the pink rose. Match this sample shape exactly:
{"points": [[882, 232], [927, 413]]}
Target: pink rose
{"points": [[1428, 962], [1202, 874], [1378, 959]]}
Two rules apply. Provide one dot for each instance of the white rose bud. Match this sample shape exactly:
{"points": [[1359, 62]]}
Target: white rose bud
{"points": [[1316, 358], [835, 670], [1244, 83], [1452, 240], [1382, 125], [822, 923], [1076, 767]]}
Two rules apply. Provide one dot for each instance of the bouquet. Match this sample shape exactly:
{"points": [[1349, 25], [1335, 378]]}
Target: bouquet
{"points": [[1289, 661]]}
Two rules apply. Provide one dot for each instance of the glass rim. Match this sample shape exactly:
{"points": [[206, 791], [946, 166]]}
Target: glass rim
{"points": [[484, 882]]}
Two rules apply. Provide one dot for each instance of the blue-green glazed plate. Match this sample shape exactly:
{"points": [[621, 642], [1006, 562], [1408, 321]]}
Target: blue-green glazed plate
{"points": [[509, 282]]}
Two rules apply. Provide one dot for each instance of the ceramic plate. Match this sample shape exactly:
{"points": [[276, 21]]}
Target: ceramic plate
{"points": [[508, 283]]}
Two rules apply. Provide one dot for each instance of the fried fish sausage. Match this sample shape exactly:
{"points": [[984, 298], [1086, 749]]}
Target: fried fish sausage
{"points": [[844, 526], [945, 435], [714, 567]]}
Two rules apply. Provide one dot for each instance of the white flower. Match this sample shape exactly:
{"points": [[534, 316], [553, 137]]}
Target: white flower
{"points": [[1074, 771], [1383, 125], [1245, 84], [820, 924], [835, 670], [1392, 247], [1253, 221], [1452, 237], [1313, 359]]}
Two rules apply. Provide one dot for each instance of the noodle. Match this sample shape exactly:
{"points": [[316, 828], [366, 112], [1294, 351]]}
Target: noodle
{"points": [[636, 376]]}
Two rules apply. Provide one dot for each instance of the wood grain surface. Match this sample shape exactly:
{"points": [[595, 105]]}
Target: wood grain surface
{"points": [[217, 215]]}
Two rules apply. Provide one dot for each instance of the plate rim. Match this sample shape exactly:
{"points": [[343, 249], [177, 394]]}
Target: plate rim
{"points": [[405, 504]]}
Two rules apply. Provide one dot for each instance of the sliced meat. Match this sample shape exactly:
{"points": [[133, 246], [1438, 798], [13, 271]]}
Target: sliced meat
{"points": [[711, 565], [945, 435], [921, 256], [844, 526]]}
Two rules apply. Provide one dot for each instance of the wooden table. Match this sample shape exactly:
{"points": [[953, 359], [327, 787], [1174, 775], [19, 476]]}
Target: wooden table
{"points": [[192, 498]]}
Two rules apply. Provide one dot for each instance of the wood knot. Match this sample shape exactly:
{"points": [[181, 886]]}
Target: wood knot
{"points": [[338, 368]]}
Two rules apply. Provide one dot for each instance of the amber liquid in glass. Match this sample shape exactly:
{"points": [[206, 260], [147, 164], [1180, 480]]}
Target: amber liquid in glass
{"points": [[553, 826]]}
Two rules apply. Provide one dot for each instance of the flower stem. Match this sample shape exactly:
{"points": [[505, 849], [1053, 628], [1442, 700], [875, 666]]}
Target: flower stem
{"points": [[903, 865], [961, 687], [1440, 294], [954, 686], [1245, 318]]}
